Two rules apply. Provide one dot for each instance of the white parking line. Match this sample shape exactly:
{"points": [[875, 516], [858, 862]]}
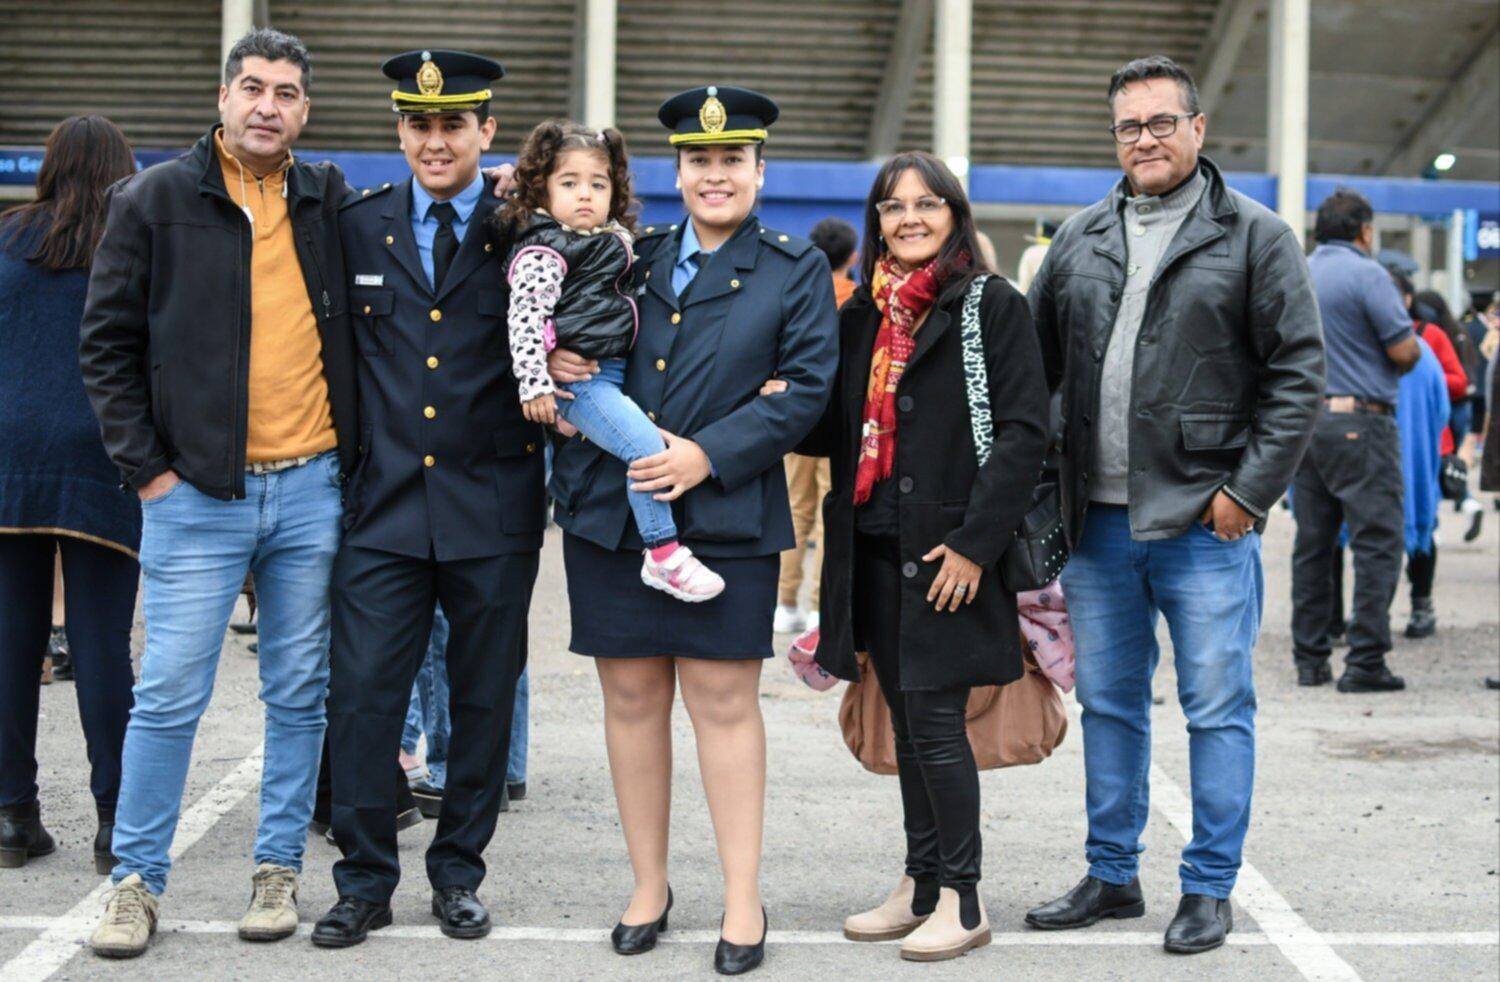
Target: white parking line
{"points": [[64, 936], [1014, 939]]}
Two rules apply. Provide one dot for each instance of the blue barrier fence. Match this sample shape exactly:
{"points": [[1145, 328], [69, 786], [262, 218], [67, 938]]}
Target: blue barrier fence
{"points": [[798, 193]]}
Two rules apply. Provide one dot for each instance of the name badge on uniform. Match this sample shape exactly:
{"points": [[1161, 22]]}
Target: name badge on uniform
{"points": [[365, 279]]}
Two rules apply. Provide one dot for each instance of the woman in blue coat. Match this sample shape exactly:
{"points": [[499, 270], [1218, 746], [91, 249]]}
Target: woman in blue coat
{"points": [[726, 303], [58, 489]]}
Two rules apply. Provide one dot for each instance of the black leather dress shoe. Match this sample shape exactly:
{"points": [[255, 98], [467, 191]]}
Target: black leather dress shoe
{"points": [[1381, 681], [737, 959], [459, 913], [516, 790], [1089, 902], [637, 939], [1317, 675], [22, 836], [349, 922], [1202, 924], [429, 799]]}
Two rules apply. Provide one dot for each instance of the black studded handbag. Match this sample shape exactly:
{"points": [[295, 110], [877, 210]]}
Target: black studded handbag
{"points": [[1038, 550]]}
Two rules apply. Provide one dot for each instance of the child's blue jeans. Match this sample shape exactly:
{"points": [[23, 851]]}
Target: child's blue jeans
{"points": [[605, 414]]}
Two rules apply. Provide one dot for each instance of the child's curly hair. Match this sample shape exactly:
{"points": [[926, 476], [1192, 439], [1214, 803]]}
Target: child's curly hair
{"points": [[539, 155]]}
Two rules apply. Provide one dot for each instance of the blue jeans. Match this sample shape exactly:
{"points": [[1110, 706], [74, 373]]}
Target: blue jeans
{"points": [[428, 713], [1211, 593], [605, 414], [195, 551]]}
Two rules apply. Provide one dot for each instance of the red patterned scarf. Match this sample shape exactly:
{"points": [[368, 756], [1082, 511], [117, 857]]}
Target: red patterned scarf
{"points": [[903, 299]]}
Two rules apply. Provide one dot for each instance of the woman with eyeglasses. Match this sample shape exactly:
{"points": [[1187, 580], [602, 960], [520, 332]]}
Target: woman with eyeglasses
{"points": [[915, 526]]}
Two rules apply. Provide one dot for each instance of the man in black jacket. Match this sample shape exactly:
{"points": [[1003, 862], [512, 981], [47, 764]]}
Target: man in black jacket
{"points": [[1177, 321], [217, 353]]}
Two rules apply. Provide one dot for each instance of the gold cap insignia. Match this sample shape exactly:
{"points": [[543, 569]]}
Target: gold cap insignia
{"points": [[429, 77], [712, 116]]}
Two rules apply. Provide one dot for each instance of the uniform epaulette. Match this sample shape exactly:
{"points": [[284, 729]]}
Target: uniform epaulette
{"points": [[365, 194], [792, 245], [654, 232]]}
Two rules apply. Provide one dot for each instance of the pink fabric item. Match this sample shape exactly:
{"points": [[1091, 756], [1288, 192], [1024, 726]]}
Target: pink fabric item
{"points": [[661, 552], [549, 336], [804, 665], [1048, 633]]}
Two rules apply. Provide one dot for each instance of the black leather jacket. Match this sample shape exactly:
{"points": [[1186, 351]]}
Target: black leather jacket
{"points": [[1228, 374], [596, 315], [165, 343]]}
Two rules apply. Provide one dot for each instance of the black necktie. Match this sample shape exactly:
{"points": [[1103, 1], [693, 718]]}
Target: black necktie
{"points": [[444, 243], [700, 259]]}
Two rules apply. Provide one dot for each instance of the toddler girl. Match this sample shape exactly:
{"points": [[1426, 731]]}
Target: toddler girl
{"points": [[567, 273]]}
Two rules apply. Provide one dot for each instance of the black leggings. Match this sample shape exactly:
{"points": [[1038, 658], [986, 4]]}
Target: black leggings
{"points": [[939, 780], [99, 593]]}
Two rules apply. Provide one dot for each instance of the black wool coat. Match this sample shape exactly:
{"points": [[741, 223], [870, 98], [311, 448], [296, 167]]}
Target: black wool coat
{"points": [[945, 496]]}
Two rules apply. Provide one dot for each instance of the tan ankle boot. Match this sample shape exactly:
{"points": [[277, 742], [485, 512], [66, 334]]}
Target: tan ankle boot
{"points": [[891, 920], [944, 936]]}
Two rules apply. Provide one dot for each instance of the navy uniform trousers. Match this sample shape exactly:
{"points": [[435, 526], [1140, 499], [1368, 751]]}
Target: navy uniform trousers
{"points": [[444, 505]]}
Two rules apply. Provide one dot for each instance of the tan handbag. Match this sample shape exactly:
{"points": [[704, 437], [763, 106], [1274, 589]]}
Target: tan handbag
{"points": [[1019, 723]]}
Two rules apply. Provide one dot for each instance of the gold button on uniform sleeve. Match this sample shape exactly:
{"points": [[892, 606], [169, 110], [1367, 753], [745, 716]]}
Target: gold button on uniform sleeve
{"points": [[430, 412], [429, 460]]}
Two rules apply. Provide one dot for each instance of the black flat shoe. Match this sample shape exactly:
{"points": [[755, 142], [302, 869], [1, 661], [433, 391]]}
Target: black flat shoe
{"points": [[637, 939], [737, 959], [22, 836], [459, 913], [516, 790], [1202, 924], [1319, 675], [349, 922], [1089, 902], [1381, 681], [429, 799]]}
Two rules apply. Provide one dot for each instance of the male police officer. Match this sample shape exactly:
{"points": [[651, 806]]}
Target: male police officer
{"points": [[446, 503]]}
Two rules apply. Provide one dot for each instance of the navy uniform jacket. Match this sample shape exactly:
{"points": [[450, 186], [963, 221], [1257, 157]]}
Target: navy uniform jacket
{"points": [[762, 307], [448, 468]]}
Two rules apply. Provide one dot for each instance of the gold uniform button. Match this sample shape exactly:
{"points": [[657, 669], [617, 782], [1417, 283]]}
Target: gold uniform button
{"points": [[735, 284], [436, 315], [390, 240], [783, 238], [676, 318], [489, 247], [661, 364], [430, 413], [432, 361], [651, 417], [367, 308], [429, 460], [365, 192], [531, 448]]}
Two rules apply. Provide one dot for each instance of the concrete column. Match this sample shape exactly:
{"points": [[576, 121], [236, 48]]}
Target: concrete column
{"points": [[1421, 251], [599, 63], [951, 43], [237, 18], [1455, 290], [1287, 97]]}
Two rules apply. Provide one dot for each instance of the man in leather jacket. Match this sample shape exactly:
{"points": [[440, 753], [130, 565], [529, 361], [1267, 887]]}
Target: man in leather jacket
{"points": [[1179, 326]]}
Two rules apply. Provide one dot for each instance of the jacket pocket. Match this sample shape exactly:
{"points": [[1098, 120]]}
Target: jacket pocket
{"points": [[1215, 431], [492, 305], [369, 305], [712, 515], [519, 480]]}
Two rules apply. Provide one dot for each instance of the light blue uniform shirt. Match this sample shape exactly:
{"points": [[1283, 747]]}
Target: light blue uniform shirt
{"points": [[686, 269], [424, 226]]}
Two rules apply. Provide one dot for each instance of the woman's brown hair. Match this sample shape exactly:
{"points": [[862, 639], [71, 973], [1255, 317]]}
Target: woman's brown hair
{"points": [[539, 155], [960, 256], [83, 157]]}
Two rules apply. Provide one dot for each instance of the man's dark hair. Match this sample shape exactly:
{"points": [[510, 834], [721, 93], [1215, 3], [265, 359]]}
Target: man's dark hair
{"points": [[837, 238], [272, 45], [1341, 215], [1155, 66]]}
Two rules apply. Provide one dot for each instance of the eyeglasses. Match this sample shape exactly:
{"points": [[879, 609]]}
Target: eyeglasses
{"points": [[925, 207], [1161, 127]]}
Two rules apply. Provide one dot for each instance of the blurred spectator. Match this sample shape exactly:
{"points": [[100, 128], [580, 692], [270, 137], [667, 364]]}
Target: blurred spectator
{"points": [[1461, 420], [1031, 258], [58, 489], [1352, 472]]}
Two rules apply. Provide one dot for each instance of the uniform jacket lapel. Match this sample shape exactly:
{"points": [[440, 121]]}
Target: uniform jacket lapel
{"points": [[720, 276], [400, 240]]}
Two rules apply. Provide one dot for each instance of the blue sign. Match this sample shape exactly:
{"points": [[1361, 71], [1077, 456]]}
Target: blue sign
{"points": [[1481, 235]]}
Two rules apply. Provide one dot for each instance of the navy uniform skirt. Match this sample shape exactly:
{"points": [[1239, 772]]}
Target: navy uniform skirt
{"points": [[615, 615]]}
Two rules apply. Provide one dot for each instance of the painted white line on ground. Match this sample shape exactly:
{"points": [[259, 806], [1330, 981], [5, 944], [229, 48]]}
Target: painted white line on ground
{"points": [[1021, 939], [64, 937]]}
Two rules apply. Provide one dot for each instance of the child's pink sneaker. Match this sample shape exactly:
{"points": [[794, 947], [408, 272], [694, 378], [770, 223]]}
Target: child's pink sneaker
{"points": [[803, 657], [682, 576]]}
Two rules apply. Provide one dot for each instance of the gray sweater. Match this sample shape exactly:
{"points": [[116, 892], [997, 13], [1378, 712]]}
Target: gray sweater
{"points": [[1150, 224]]}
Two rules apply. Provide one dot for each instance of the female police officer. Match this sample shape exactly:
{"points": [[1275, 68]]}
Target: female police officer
{"points": [[726, 303]]}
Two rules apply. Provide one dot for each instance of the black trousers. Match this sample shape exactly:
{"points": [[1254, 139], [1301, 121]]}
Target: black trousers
{"points": [[1351, 474], [1421, 569], [99, 594], [382, 616], [323, 803], [935, 764]]}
